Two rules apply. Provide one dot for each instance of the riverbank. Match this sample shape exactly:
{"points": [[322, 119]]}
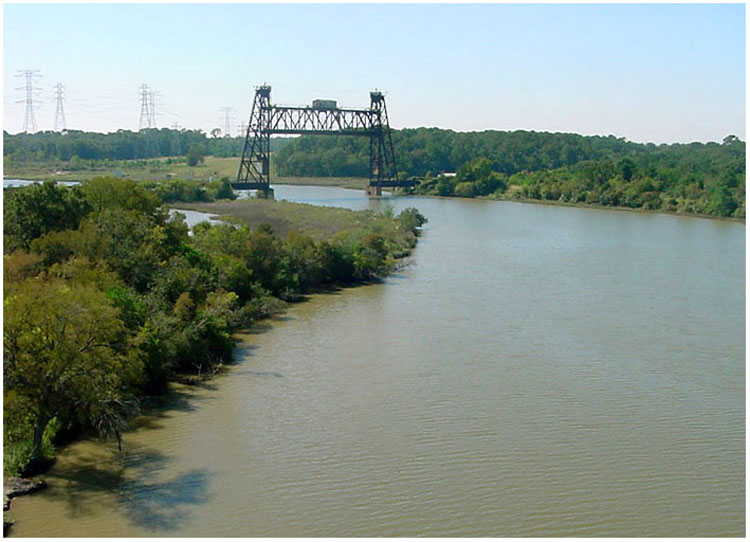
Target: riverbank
{"points": [[158, 305], [15, 487], [582, 205]]}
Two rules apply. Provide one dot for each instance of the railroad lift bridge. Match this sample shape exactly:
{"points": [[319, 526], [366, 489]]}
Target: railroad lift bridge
{"points": [[322, 118]]}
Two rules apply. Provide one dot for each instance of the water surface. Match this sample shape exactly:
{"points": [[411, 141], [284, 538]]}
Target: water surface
{"points": [[535, 371]]}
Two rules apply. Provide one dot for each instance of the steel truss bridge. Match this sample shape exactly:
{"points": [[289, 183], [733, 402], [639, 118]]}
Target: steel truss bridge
{"points": [[322, 118]]}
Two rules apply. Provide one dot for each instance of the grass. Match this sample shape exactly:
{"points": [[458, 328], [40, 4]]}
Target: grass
{"points": [[160, 169], [283, 216]]}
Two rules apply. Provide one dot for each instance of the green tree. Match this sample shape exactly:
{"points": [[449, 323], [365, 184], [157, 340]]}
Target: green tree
{"points": [[63, 353], [721, 202], [32, 211], [107, 192], [221, 189], [465, 190], [627, 168], [196, 154]]}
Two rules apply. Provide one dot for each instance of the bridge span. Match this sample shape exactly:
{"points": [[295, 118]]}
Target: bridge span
{"points": [[322, 118]]}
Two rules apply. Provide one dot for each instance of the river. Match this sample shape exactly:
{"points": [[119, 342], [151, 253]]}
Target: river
{"points": [[535, 371]]}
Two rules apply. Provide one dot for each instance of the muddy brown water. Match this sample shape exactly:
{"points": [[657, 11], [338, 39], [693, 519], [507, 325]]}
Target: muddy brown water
{"points": [[535, 371]]}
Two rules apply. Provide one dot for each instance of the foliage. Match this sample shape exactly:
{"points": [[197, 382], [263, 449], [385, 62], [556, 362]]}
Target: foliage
{"points": [[75, 148], [420, 151], [707, 179], [196, 153], [108, 192], [63, 350], [36, 210]]}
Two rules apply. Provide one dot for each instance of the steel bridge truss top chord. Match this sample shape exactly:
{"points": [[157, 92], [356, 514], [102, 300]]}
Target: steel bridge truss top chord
{"points": [[267, 119]]}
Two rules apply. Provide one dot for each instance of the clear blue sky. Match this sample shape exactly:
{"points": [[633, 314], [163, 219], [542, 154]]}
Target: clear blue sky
{"points": [[647, 72]]}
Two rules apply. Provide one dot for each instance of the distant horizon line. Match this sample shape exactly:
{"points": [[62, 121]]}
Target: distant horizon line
{"points": [[292, 136]]}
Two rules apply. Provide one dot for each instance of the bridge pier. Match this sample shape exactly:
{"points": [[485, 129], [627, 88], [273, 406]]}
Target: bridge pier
{"points": [[265, 193], [374, 191]]}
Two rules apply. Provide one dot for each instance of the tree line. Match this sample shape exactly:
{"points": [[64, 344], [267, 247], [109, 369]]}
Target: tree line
{"points": [[424, 152], [703, 178], [697, 178], [76, 145], [108, 297]]}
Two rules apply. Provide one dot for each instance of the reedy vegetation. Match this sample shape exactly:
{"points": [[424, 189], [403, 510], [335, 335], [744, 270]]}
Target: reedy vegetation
{"points": [[107, 298]]}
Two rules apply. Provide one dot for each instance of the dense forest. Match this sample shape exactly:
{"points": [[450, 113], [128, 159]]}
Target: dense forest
{"points": [[699, 179], [107, 297], [422, 152]]}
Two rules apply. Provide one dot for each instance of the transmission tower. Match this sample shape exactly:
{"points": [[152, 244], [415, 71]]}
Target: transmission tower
{"points": [[59, 111], [29, 119], [227, 120], [145, 121]]}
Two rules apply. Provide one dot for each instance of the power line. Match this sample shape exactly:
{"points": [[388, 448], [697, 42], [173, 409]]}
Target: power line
{"points": [[29, 119], [59, 111]]}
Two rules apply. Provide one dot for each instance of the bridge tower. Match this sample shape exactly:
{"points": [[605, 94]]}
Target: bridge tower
{"points": [[255, 167], [322, 118]]}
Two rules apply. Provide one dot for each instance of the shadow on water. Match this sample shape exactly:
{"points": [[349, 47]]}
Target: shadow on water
{"points": [[256, 329], [265, 373], [133, 477], [155, 409]]}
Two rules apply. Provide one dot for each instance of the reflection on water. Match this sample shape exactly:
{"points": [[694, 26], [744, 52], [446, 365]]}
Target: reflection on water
{"points": [[14, 183], [536, 371]]}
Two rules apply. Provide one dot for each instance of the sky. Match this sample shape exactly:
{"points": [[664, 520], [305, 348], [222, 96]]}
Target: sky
{"points": [[659, 73]]}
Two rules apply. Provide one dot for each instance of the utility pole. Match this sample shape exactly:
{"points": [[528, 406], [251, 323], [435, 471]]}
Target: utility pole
{"points": [[59, 111], [145, 121], [29, 119], [176, 126]]}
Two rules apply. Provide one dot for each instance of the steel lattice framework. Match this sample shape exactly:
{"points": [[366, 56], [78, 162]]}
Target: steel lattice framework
{"points": [[267, 119]]}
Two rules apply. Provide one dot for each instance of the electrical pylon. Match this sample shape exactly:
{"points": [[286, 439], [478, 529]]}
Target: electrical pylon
{"points": [[145, 121], [59, 111], [29, 119]]}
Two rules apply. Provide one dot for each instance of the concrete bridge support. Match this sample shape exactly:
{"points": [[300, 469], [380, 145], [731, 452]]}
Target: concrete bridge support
{"points": [[374, 191]]}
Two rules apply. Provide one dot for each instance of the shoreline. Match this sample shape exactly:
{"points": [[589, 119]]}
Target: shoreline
{"points": [[347, 182], [354, 183], [581, 205], [26, 484]]}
